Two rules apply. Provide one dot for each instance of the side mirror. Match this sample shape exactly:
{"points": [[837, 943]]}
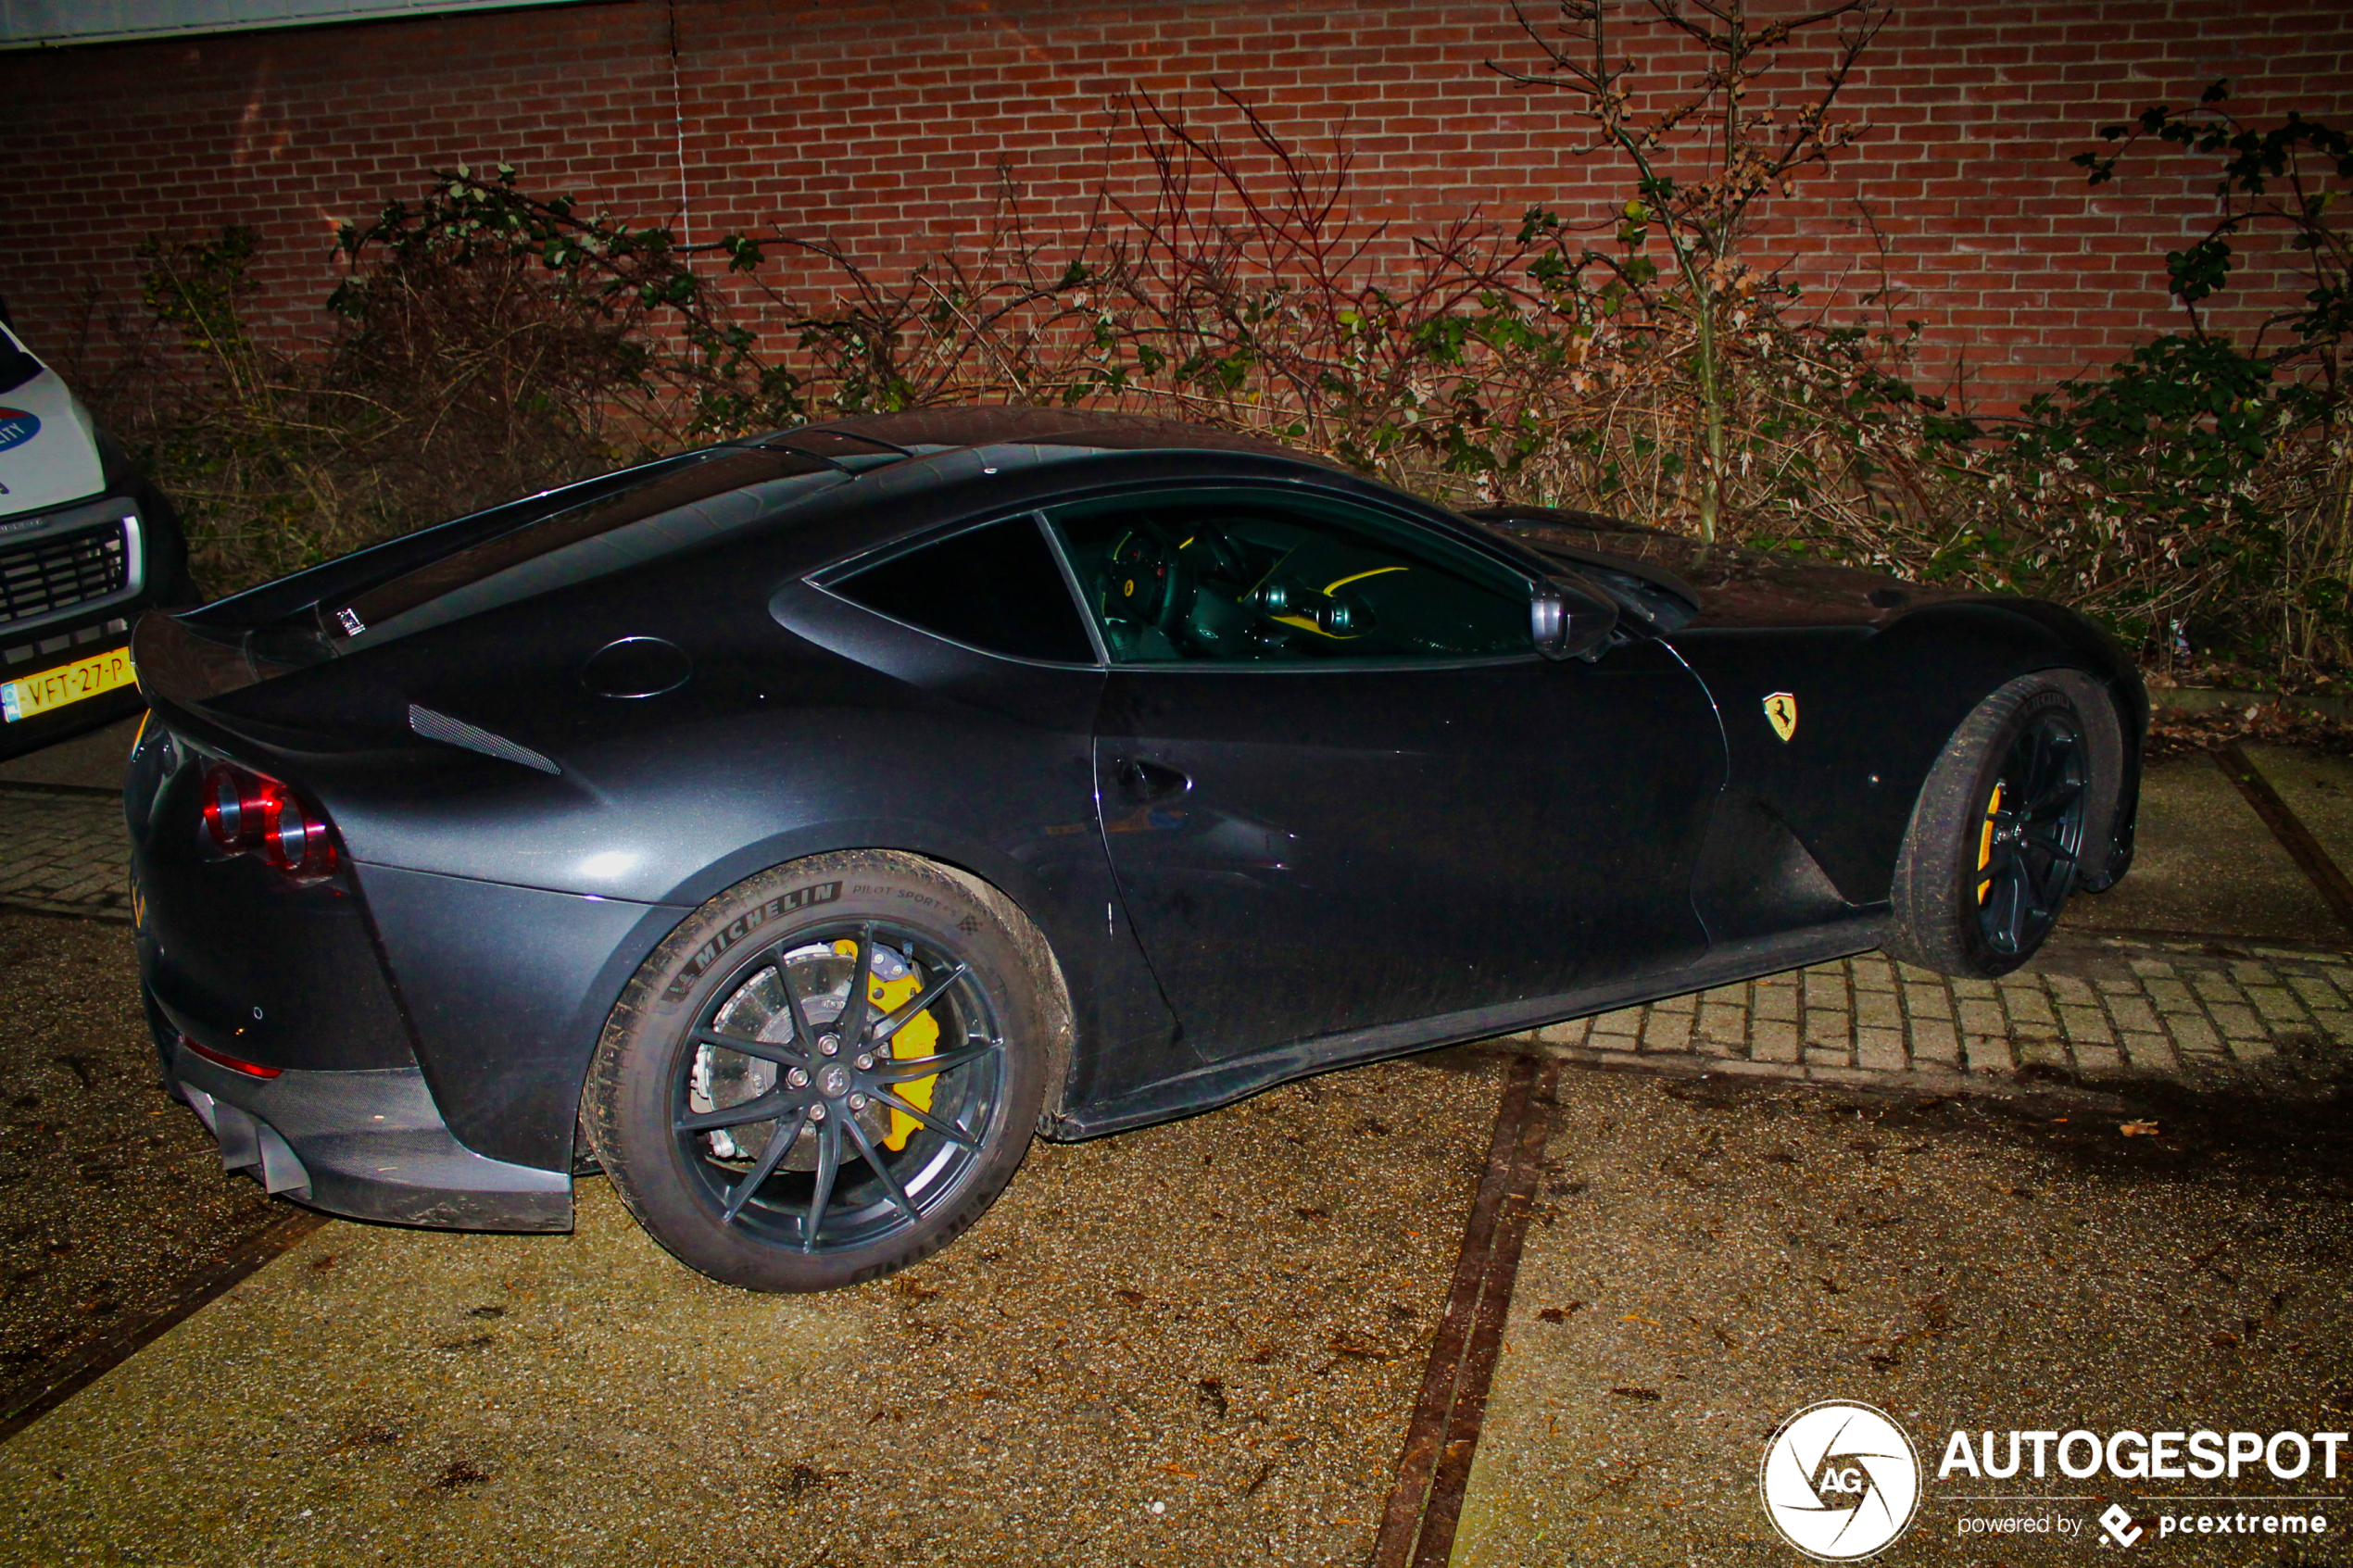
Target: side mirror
{"points": [[1567, 620]]}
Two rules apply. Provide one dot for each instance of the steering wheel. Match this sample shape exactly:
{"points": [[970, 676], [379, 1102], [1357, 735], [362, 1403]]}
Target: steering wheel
{"points": [[1143, 579], [1225, 559]]}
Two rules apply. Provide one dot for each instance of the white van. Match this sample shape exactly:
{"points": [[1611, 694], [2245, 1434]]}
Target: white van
{"points": [[86, 545]]}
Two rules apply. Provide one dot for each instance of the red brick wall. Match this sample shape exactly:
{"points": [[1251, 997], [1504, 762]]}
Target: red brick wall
{"points": [[883, 127]]}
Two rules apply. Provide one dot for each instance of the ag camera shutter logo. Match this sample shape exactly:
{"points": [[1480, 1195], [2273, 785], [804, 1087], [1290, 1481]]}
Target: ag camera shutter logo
{"points": [[1840, 1481]]}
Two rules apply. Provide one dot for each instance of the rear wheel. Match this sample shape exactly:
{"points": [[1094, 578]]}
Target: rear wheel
{"points": [[826, 1073], [2024, 791]]}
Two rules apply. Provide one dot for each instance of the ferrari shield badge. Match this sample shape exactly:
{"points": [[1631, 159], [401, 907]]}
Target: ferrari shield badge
{"points": [[1780, 711]]}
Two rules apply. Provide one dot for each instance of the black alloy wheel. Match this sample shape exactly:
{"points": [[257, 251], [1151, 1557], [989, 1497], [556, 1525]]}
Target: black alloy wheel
{"points": [[1998, 836], [838, 1087], [828, 1072], [2033, 835]]}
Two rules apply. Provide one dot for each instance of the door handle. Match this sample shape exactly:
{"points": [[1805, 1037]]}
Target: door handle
{"points": [[1142, 781]]}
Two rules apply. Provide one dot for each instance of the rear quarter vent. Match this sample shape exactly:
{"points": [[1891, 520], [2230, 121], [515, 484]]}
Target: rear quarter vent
{"points": [[441, 727]]}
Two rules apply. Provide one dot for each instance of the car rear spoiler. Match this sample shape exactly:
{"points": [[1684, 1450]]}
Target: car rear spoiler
{"points": [[175, 662]]}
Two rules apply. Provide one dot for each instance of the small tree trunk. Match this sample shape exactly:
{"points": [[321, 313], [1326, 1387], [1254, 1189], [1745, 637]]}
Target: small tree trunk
{"points": [[1709, 374]]}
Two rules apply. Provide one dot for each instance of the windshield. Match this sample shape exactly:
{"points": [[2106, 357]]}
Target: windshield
{"points": [[17, 366], [1662, 607], [1606, 551]]}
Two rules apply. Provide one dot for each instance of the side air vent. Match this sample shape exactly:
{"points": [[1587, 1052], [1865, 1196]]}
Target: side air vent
{"points": [[471, 737]]}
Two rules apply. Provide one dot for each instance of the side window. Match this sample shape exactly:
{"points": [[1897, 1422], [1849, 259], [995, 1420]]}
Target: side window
{"points": [[997, 588], [1243, 576]]}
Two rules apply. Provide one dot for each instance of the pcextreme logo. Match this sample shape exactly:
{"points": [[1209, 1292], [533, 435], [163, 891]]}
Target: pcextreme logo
{"points": [[1840, 1481]]}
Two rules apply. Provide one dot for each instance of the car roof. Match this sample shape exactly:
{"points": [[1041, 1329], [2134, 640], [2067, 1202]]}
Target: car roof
{"points": [[887, 461], [929, 432]]}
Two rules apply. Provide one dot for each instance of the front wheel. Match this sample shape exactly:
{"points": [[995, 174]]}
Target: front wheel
{"points": [[2023, 791], [827, 1072]]}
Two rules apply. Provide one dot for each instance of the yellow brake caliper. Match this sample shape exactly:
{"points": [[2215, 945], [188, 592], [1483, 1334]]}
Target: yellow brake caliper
{"points": [[918, 1036], [1985, 848]]}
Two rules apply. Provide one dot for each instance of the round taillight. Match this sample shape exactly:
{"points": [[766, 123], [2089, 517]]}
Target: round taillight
{"points": [[290, 839], [248, 813], [231, 807]]}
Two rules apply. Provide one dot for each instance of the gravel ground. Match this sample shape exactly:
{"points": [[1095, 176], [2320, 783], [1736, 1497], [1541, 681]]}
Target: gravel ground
{"points": [[111, 1197], [1710, 1257], [1198, 1343]]}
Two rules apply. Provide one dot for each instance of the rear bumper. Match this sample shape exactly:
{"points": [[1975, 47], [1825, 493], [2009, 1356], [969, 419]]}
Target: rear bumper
{"points": [[501, 994], [367, 1144], [239, 960]]}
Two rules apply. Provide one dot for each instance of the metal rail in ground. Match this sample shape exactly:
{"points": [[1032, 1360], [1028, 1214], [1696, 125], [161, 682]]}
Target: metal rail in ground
{"points": [[1433, 1469], [28, 1401], [2326, 877]]}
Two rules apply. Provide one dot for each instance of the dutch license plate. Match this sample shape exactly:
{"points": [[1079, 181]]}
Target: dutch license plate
{"points": [[30, 695]]}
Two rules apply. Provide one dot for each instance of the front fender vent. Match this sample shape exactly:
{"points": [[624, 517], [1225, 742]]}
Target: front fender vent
{"points": [[472, 737]]}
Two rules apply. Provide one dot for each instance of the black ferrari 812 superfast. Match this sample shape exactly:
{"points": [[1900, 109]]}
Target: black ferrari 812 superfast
{"points": [[795, 828]]}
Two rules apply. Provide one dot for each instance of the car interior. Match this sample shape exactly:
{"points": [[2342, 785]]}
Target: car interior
{"points": [[1222, 578]]}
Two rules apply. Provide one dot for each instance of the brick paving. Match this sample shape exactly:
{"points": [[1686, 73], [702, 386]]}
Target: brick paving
{"points": [[63, 852], [2088, 1008]]}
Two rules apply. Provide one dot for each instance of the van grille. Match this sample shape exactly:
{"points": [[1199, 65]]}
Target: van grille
{"points": [[61, 569]]}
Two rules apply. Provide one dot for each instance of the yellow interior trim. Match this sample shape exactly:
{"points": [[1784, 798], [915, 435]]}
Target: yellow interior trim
{"points": [[1306, 625], [1377, 572]]}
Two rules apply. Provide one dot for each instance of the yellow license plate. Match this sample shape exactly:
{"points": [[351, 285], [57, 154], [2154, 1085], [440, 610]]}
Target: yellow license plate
{"points": [[30, 695]]}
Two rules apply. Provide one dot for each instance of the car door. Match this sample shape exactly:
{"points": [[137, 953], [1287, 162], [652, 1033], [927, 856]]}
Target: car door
{"points": [[1338, 789]]}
